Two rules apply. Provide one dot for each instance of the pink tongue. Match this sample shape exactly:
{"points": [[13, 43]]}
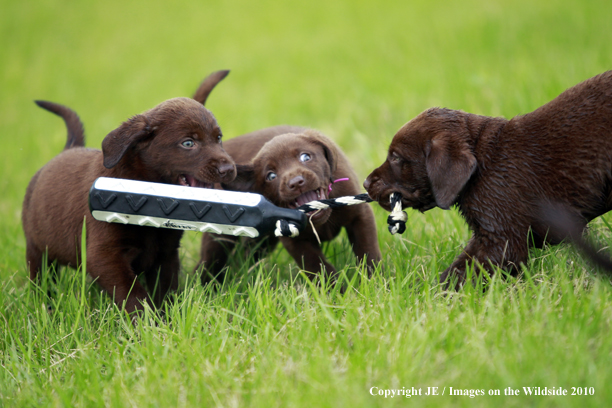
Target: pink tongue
{"points": [[191, 180], [306, 198]]}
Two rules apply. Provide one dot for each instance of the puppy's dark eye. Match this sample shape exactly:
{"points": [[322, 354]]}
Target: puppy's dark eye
{"points": [[304, 157], [271, 176], [219, 138], [188, 143], [394, 158]]}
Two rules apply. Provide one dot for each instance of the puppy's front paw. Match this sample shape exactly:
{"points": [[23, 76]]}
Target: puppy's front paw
{"points": [[452, 279]]}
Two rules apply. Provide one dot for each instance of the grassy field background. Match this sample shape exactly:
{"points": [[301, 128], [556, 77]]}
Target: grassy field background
{"points": [[356, 70]]}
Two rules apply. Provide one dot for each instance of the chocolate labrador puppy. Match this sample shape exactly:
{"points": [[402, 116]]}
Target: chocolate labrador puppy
{"points": [[291, 166], [176, 142], [503, 175]]}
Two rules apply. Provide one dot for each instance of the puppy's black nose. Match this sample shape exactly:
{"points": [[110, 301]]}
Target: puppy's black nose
{"points": [[225, 169], [296, 182]]}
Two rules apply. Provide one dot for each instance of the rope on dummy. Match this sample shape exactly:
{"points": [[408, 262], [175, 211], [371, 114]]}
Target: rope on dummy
{"points": [[287, 229], [396, 220]]}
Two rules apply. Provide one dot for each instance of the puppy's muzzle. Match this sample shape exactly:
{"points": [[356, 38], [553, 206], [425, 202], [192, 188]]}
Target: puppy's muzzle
{"points": [[225, 169]]}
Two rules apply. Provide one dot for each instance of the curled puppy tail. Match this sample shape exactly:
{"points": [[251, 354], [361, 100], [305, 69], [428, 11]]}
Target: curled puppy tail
{"points": [[566, 225], [208, 84], [76, 133]]}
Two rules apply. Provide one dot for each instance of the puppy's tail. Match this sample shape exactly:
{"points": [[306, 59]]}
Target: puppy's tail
{"points": [[76, 133], [208, 84], [563, 224]]}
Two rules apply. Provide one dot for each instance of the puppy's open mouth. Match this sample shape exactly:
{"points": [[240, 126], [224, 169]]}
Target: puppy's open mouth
{"points": [[314, 195], [307, 197], [190, 181], [383, 200]]}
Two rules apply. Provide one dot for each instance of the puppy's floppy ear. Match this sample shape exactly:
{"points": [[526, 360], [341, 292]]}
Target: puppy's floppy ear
{"points": [[329, 148], [117, 142], [245, 178], [450, 164]]}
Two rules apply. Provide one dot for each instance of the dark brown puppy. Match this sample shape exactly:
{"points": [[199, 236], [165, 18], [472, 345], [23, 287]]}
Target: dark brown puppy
{"points": [[291, 166], [177, 142], [501, 173]]}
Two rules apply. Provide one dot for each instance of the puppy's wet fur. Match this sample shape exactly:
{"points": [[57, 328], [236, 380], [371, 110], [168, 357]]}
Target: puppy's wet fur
{"points": [[501, 173], [176, 142], [291, 166]]}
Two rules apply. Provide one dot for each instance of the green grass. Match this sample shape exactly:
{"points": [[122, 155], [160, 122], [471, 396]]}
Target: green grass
{"points": [[356, 70]]}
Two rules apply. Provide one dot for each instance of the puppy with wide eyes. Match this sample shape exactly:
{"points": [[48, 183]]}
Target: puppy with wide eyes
{"points": [[176, 142], [291, 166], [507, 177]]}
